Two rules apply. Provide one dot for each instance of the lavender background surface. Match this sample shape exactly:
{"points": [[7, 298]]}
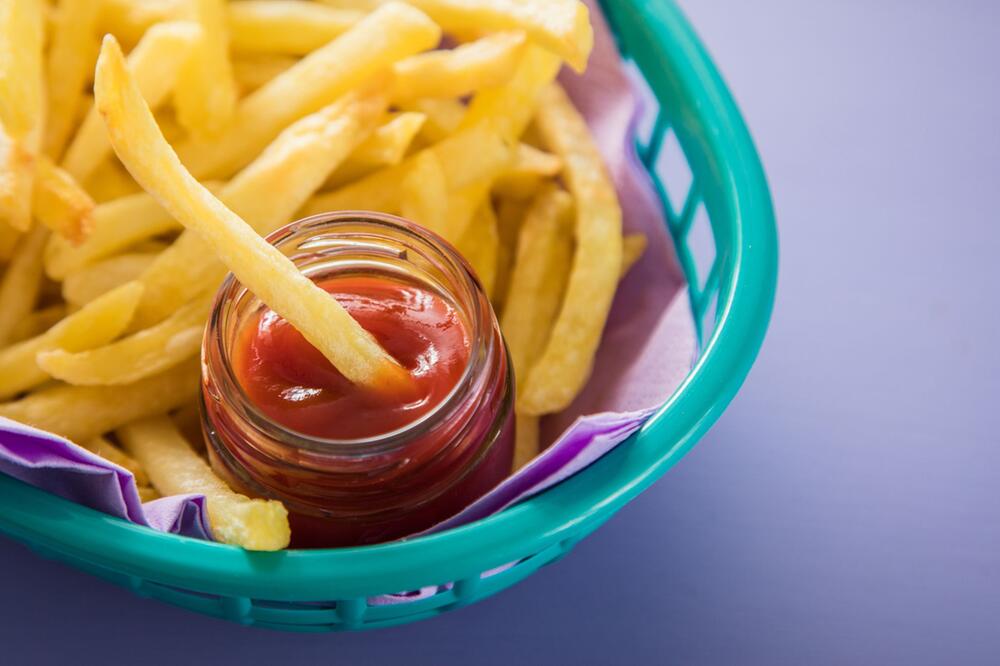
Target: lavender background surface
{"points": [[845, 508]]}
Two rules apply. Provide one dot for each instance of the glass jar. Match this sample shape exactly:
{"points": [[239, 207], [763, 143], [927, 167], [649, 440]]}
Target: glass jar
{"points": [[362, 491]]}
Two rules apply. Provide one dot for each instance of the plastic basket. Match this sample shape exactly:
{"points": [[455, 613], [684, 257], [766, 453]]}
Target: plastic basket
{"points": [[327, 590]]}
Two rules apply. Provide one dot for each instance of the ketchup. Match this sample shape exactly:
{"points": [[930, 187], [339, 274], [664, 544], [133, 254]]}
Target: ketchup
{"points": [[291, 382]]}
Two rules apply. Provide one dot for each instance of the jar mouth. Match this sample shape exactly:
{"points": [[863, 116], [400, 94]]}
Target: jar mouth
{"points": [[318, 234]]}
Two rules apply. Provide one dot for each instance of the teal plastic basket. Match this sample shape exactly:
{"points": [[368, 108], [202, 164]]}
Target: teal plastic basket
{"points": [[732, 292]]}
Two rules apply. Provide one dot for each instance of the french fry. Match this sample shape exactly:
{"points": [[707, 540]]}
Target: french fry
{"points": [[286, 26], [538, 279], [633, 247], [266, 194], [37, 322], [109, 181], [425, 193], [562, 26], [118, 225], [443, 117], [388, 34], [537, 283], [147, 493], [512, 106], [485, 63], [128, 20], [205, 96], [526, 440], [9, 237], [463, 205], [90, 282], [21, 281], [530, 169], [60, 203], [72, 52], [510, 215], [80, 413], [476, 154], [95, 324], [252, 72], [188, 421], [102, 447], [155, 62], [385, 147], [566, 363], [480, 245], [151, 350], [22, 105], [388, 143], [175, 469], [261, 267]]}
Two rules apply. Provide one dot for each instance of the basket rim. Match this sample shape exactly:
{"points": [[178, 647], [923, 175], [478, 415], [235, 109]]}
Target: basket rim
{"points": [[746, 299]]}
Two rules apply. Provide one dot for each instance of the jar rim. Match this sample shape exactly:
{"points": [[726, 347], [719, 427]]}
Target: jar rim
{"points": [[480, 318]]}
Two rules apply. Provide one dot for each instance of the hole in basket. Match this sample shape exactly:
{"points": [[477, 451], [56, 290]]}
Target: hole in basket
{"points": [[649, 107], [701, 244], [674, 172]]}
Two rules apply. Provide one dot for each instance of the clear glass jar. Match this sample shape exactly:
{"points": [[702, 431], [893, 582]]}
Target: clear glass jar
{"points": [[360, 491]]}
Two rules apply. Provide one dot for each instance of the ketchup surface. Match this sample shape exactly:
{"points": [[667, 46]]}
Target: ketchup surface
{"points": [[292, 383]]}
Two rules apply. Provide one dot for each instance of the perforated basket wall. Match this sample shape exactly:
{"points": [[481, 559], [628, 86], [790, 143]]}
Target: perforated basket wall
{"points": [[709, 177]]}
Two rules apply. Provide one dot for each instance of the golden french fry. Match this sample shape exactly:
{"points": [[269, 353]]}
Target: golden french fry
{"points": [[526, 175], [155, 62], [188, 421], [385, 147], [21, 281], [388, 143], [102, 447], [510, 215], [175, 469], [90, 282], [110, 181], [286, 26], [37, 322], [471, 156], [147, 493], [480, 245], [538, 279], [566, 363], [526, 438], [562, 26], [388, 34], [9, 236], [72, 52], [22, 105], [261, 267], [205, 96], [443, 117], [118, 225], [128, 20], [633, 247], [151, 350], [512, 106], [95, 324], [80, 413], [60, 203], [485, 63], [266, 194], [463, 205], [252, 72], [425, 193]]}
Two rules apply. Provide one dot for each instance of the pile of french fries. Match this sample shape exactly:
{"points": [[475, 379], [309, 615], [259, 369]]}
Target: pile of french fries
{"points": [[130, 184]]}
